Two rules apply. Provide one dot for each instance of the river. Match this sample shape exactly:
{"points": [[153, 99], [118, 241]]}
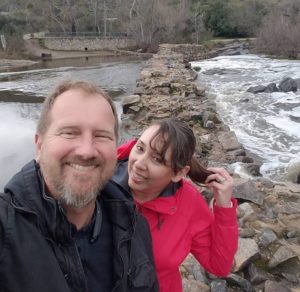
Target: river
{"points": [[23, 90], [267, 124]]}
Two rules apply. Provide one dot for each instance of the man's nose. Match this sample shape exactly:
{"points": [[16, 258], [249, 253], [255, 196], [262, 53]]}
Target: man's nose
{"points": [[86, 147]]}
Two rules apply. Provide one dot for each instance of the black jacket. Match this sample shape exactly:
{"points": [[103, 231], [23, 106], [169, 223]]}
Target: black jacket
{"points": [[38, 253]]}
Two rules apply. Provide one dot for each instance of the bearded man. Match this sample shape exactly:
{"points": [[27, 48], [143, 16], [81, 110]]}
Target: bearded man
{"points": [[63, 225]]}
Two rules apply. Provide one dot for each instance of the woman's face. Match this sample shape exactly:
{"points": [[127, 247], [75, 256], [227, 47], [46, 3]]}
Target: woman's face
{"points": [[148, 173]]}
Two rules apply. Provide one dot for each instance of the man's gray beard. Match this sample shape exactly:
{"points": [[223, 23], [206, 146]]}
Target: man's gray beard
{"points": [[75, 200]]}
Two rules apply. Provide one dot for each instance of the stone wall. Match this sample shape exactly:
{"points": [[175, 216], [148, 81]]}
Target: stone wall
{"points": [[87, 43], [191, 52]]}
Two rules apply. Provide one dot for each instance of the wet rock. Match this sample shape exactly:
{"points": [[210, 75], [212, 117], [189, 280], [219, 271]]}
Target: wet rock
{"points": [[245, 159], [256, 275], [129, 101], [271, 88], [246, 232], [297, 80], [291, 278], [272, 286], [256, 89], [281, 255], [229, 141], [209, 125], [240, 282], [209, 116], [265, 183], [288, 208], [195, 269], [214, 71], [247, 251], [267, 237], [194, 75], [218, 285], [196, 116], [246, 189], [191, 285], [237, 152], [248, 212], [204, 139], [253, 169], [294, 118], [133, 109], [288, 84], [200, 91], [139, 90], [287, 187], [244, 100], [291, 234]]}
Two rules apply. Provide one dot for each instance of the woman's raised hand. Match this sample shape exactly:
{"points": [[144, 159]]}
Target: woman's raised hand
{"points": [[221, 183]]}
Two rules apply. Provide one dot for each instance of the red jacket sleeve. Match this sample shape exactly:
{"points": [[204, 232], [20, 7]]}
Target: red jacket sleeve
{"points": [[215, 246], [124, 149]]}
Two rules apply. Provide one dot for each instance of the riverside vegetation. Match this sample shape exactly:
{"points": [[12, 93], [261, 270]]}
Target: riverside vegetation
{"points": [[268, 258], [275, 23]]}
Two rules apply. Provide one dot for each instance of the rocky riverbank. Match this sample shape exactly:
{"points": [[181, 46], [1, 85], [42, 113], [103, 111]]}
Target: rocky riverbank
{"points": [[268, 258]]}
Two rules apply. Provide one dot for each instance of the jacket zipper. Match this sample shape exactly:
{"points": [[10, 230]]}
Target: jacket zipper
{"points": [[129, 259]]}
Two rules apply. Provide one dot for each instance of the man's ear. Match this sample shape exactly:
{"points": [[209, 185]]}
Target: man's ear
{"points": [[38, 146], [181, 173]]}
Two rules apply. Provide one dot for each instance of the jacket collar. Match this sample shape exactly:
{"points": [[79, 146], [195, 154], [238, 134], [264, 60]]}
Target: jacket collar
{"points": [[28, 195]]}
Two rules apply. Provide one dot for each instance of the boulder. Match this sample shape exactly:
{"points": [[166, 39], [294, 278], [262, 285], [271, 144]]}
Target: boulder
{"points": [[271, 88], [129, 101], [229, 141], [242, 283], [281, 255], [272, 286], [288, 84], [245, 189], [298, 83], [191, 285], [256, 89], [248, 214], [256, 275], [218, 285], [247, 251], [267, 237]]}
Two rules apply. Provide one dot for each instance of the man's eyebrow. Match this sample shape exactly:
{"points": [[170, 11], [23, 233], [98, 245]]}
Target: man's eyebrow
{"points": [[103, 131]]}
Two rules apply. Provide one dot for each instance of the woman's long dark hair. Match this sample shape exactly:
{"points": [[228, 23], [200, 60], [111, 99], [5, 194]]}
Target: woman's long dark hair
{"points": [[177, 135]]}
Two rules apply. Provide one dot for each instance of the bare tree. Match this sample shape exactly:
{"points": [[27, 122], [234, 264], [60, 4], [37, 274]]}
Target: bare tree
{"points": [[280, 34]]}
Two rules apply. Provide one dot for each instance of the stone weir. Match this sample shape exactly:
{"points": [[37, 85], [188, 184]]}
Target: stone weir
{"points": [[268, 258]]}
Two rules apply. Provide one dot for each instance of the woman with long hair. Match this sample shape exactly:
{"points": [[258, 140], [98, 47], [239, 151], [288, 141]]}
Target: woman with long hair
{"points": [[154, 170]]}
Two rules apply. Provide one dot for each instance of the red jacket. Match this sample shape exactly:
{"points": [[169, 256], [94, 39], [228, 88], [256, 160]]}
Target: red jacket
{"points": [[182, 223]]}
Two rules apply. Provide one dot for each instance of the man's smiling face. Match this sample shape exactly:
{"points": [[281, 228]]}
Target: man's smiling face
{"points": [[77, 153]]}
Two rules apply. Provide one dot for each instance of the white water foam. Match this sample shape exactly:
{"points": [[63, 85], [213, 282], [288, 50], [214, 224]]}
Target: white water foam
{"points": [[267, 124]]}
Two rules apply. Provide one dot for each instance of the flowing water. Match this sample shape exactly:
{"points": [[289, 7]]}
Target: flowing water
{"points": [[22, 91], [267, 124]]}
